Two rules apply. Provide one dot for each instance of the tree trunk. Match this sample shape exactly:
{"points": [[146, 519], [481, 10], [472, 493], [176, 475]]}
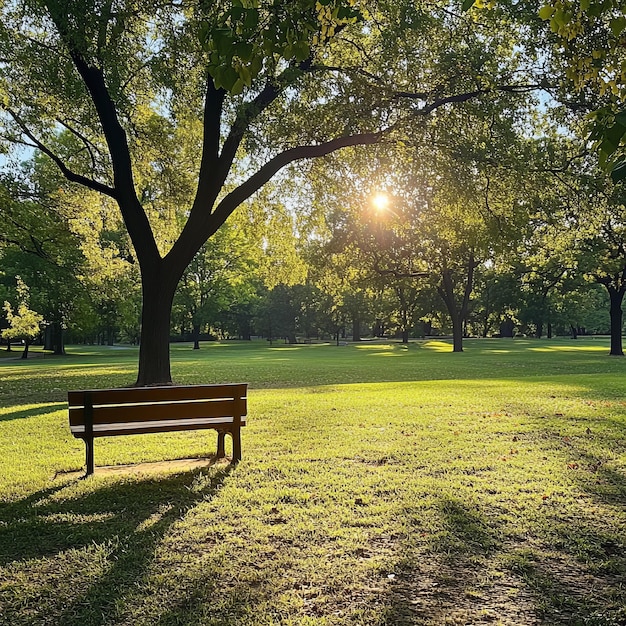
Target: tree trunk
{"points": [[549, 335], [457, 332], [616, 296], [154, 344], [574, 331], [507, 327], [59, 343], [446, 291], [539, 332], [457, 314], [405, 335], [356, 328], [8, 345], [195, 335], [48, 342], [486, 325], [25, 353]]}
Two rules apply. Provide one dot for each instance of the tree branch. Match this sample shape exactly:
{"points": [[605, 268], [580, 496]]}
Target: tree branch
{"points": [[88, 144], [257, 180], [464, 97], [65, 170], [213, 104], [125, 194], [245, 115], [202, 225]]}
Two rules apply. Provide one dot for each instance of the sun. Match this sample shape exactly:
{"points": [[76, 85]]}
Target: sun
{"points": [[380, 201]]}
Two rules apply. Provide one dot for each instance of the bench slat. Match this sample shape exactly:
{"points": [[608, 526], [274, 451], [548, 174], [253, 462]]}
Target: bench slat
{"points": [[137, 428], [155, 412], [157, 394]]}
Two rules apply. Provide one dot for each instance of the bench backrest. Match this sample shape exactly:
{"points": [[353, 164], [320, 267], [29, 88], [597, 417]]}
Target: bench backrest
{"points": [[134, 410]]}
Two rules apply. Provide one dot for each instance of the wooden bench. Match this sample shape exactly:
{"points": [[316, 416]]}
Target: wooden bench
{"points": [[135, 410]]}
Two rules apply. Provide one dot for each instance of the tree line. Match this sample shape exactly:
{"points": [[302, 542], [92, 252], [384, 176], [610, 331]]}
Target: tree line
{"points": [[381, 262], [222, 157]]}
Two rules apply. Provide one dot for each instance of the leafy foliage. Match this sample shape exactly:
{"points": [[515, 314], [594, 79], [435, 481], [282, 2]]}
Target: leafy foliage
{"points": [[23, 323]]}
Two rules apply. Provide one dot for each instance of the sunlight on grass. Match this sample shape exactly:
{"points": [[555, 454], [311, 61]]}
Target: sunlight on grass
{"points": [[569, 348], [438, 346], [436, 488], [374, 346]]}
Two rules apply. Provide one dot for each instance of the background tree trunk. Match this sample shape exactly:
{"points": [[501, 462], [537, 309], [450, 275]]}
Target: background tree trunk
{"points": [[616, 296], [195, 335], [457, 332], [356, 328]]}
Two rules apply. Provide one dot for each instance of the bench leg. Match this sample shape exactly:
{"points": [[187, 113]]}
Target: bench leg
{"points": [[89, 456], [221, 453], [236, 437]]}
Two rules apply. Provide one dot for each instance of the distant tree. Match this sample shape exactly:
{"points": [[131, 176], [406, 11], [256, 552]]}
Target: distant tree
{"points": [[211, 282], [602, 250], [24, 324], [37, 242]]}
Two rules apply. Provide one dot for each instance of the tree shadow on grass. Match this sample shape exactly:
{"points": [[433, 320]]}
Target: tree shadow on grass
{"points": [[451, 579], [580, 570], [567, 567], [93, 548], [33, 412]]}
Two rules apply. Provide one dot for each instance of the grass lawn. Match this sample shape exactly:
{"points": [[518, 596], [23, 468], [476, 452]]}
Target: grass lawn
{"points": [[381, 484]]}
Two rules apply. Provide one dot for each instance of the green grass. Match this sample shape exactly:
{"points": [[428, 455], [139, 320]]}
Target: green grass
{"points": [[381, 484]]}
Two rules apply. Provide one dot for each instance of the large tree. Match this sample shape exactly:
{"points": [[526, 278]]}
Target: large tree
{"points": [[167, 95]]}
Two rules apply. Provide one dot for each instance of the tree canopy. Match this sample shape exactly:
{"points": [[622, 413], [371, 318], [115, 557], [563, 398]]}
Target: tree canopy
{"points": [[177, 113]]}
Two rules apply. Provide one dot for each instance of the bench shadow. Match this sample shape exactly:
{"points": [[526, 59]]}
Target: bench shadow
{"points": [[120, 523]]}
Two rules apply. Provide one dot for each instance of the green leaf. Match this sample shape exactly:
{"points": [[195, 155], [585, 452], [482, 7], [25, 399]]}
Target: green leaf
{"points": [[595, 9], [617, 26], [301, 50], [620, 118], [256, 65], [237, 87], [243, 50], [614, 135], [229, 78], [237, 12], [546, 12], [618, 173], [561, 18], [607, 148], [467, 5], [251, 20], [203, 32]]}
